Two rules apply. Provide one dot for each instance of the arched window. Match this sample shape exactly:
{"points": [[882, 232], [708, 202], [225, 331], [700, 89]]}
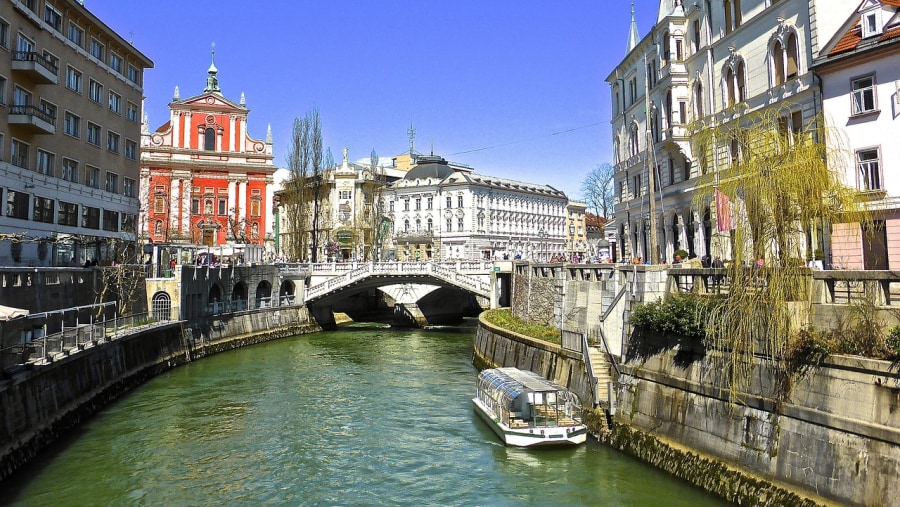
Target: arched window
{"points": [[778, 63], [418, 225], [793, 68], [698, 100], [729, 85], [209, 139], [633, 140], [430, 224], [157, 228], [741, 82], [406, 225], [666, 48], [669, 113]]}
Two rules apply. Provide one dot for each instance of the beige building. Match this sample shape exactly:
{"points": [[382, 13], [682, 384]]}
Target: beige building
{"points": [[709, 62], [71, 91], [576, 232]]}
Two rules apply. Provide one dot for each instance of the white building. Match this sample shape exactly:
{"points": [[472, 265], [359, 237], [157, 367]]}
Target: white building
{"points": [[711, 62], [860, 72], [441, 211]]}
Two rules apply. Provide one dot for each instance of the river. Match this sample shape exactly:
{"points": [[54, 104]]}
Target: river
{"points": [[361, 416]]}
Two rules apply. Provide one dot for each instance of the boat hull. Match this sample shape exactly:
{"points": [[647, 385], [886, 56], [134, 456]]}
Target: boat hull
{"points": [[531, 437]]}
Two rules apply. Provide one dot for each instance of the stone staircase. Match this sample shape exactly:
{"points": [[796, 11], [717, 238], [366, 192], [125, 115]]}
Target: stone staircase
{"points": [[601, 366]]}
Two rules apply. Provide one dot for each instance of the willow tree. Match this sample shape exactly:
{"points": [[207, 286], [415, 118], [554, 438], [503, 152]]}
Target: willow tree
{"points": [[781, 189]]}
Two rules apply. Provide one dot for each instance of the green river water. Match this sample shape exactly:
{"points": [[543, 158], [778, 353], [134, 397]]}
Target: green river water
{"points": [[361, 416]]}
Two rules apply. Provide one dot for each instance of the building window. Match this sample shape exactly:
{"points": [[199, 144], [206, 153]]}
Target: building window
{"points": [[406, 204], [69, 170], [418, 203], [68, 214], [429, 202], [53, 17], [460, 223], [17, 204], [459, 201], [45, 162], [43, 210], [95, 91], [133, 74], [2, 90], [73, 79], [18, 155], [21, 97], [115, 102], [698, 101], [130, 149], [633, 141], [209, 139], [449, 225], [90, 217], [429, 224], [864, 95], [112, 182], [131, 112], [4, 34], [449, 202], [112, 142], [97, 49], [195, 206], [223, 207], [110, 221], [49, 109], [696, 38], [128, 221], [345, 194], [72, 125], [871, 22], [76, 34], [129, 187], [869, 164], [735, 83], [93, 134], [406, 225], [255, 208], [115, 61], [92, 177]]}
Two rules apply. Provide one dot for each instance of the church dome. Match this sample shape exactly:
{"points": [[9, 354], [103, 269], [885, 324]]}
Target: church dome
{"points": [[432, 168]]}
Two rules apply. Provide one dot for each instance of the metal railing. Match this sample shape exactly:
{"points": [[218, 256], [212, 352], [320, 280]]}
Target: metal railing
{"points": [[31, 56], [45, 349], [31, 110]]}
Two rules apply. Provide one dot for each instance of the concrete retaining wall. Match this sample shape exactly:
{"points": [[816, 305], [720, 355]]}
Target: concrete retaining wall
{"points": [[40, 404], [835, 436]]}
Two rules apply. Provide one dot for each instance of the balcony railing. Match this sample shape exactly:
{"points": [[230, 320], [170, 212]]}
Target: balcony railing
{"points": [[33, 118], [36, 65]]}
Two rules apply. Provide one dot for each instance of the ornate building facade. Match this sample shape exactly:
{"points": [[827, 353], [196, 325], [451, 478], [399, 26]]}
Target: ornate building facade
{"points": [[71, 89], [204, 179], [704, 63], [441, 211]]}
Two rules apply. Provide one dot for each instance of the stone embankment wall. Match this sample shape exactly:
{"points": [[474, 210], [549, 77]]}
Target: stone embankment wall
{"points": [[496, 347], [40, 404], [834, 435]]}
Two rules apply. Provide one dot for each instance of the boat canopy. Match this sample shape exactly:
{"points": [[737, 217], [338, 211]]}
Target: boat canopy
{"points": [[507, 385]]}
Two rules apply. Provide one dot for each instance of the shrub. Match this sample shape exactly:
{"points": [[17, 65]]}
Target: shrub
{"points": [[892, 343], [678, 314]]}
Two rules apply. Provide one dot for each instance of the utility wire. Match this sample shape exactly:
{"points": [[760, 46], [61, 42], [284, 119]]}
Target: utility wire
{"points": [[573, 129]]}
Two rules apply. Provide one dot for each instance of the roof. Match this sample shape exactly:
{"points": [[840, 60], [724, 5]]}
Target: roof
{"points": [[430, 170], [851, 40]]}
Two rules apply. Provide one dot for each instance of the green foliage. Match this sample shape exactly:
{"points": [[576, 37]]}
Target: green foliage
{"points": [[892, 343], [503, 317], [681, 253], [679, 314]]}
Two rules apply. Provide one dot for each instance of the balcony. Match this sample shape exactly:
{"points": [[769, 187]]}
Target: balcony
{"points": [[36, 66], [424, 236], [32, 118]]}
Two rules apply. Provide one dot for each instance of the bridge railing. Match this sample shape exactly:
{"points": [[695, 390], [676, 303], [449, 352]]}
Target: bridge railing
{"points": [[449, 272]]}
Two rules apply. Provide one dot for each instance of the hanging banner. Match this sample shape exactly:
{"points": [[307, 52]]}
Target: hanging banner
{"points": [[723, 212]]}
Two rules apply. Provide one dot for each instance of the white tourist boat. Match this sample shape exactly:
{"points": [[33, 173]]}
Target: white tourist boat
{"points": [[527, 410]]}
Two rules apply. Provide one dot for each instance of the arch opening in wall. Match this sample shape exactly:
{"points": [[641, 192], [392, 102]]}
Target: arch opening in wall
{"points": [[161, 306], [263, 294]]}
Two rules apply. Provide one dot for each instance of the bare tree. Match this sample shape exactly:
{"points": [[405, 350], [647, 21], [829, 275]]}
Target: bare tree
{"points": [[597, 190], [302, 195]]}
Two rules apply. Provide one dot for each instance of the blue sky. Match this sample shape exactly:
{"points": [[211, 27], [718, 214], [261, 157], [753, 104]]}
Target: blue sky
{"points": [[513, 88]]}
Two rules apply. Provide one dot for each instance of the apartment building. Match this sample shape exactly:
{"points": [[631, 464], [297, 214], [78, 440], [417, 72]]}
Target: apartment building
{"points": [[70, 120]]}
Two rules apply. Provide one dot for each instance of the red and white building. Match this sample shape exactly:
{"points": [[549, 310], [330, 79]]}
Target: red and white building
{"points": [[204, 179]]}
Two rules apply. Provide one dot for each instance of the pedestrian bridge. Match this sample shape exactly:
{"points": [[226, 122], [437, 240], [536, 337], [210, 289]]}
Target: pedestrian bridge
{"points": [[474, 277]]}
